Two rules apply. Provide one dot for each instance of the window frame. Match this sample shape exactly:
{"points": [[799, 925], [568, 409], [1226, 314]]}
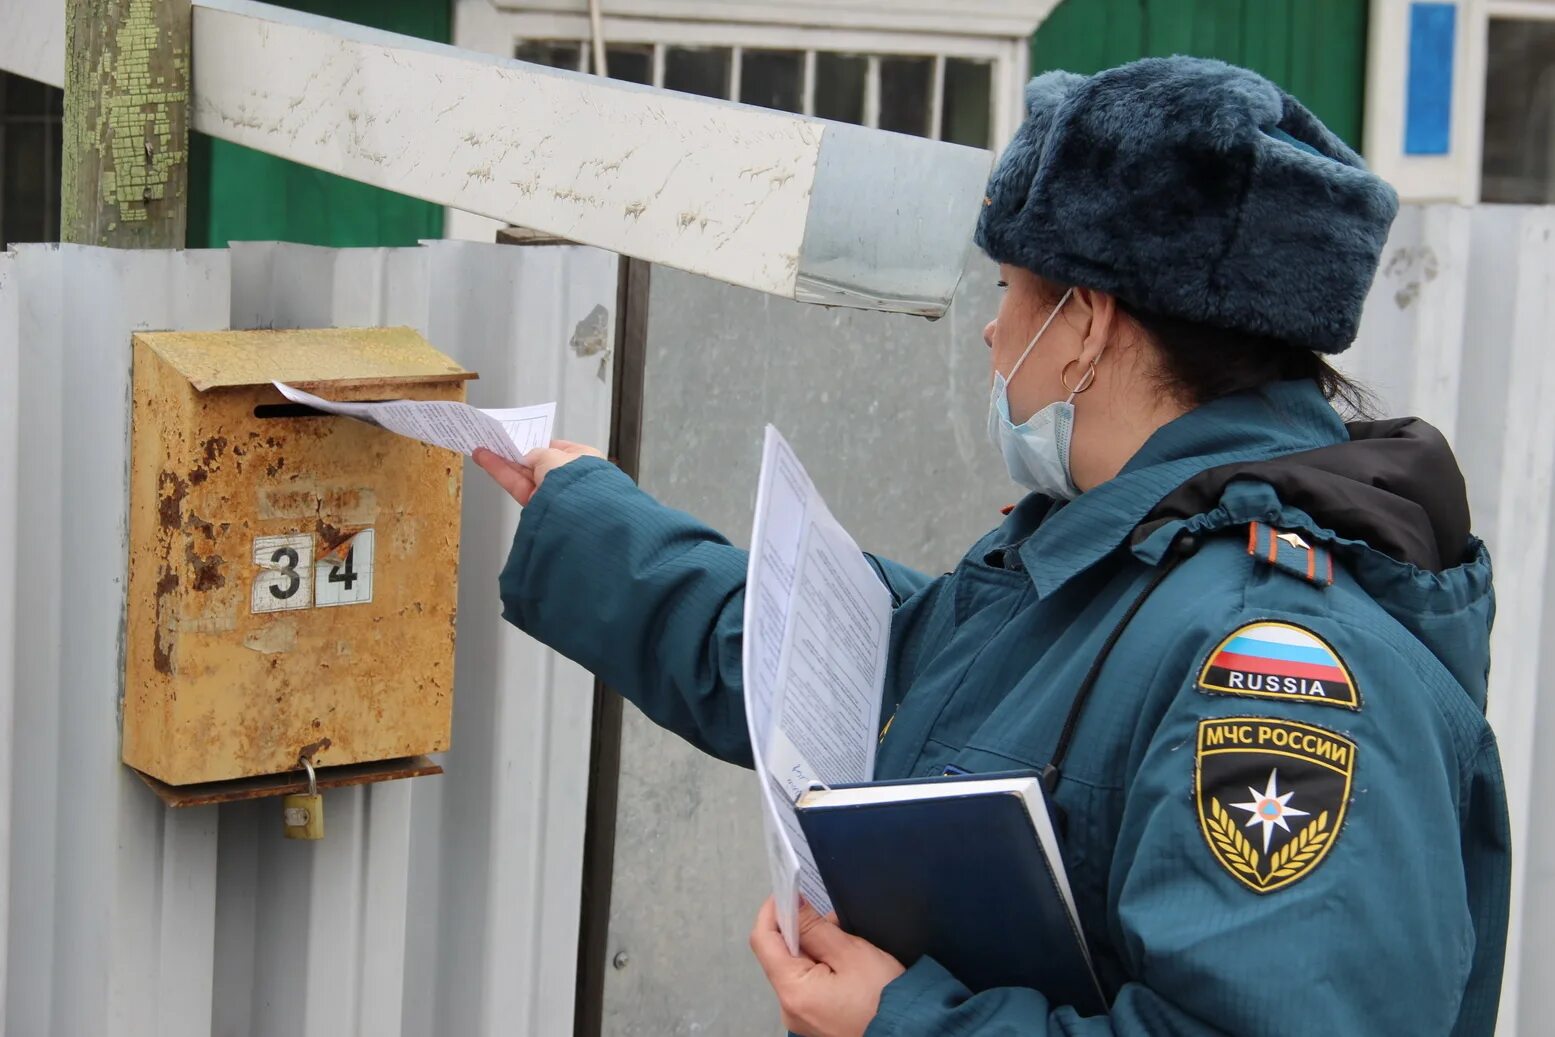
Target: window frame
{"points": [[1513, 11], [1522, 10], [1456, 176], [1008, 57]]}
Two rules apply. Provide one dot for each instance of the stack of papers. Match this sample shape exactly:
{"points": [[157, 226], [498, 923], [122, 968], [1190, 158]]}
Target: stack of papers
{"points": [[817, 627]]}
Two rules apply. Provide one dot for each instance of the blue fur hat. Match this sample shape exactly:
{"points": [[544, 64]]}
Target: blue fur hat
{"points": [[1192, 189]]}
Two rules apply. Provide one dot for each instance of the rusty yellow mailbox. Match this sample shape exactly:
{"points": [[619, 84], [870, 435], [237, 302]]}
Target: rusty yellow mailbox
{"points": [[292, 576]]}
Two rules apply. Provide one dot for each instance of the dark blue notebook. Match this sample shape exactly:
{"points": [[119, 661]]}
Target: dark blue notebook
{"points": [[965, 869]]}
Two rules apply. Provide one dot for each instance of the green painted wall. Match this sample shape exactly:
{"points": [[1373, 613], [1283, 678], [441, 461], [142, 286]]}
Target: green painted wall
{"points": [[237, 194], [1316, 49]]}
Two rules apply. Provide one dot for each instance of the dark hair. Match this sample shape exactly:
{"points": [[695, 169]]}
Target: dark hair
{"points": [[1200, 363]]}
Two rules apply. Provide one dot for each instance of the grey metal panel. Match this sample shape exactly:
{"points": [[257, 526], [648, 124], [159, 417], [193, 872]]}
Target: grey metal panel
{"points": [[1536, 1003], [447, 905], [1463, 339], [112, 900], [521, 726], [10, 433], [887, 412]]}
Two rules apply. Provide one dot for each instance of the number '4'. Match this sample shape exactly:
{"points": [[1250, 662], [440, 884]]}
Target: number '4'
{"points": [[345, 575]]}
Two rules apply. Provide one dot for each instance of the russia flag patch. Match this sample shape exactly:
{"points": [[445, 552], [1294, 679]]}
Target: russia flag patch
{"points": [[1281, 661]]}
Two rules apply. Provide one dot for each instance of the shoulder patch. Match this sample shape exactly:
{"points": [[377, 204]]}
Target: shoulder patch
{"points": [[1277, 660], [1271, 796], [1290, 552]]}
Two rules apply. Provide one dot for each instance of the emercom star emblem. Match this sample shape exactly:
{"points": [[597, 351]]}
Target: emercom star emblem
{"points": [[1269, 808]]}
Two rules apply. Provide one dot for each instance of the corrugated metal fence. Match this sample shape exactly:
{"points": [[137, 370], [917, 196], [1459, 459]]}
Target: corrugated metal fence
{"points": [[1458, 330], [435, 906], [450, 905]]}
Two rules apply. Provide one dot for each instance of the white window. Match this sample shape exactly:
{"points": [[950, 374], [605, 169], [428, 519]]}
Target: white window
{"points": [[943, 96], [1460, 99], [1518, 159], [947, 69]]}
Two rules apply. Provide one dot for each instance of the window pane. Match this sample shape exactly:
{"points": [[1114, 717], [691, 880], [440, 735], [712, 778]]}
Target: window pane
{"points": [[29, 160], [632, 64], [555, 53], [23, 96], [967, 115], [1519, 113], [773, 79], [839, 86], [698, 70], [904, 94], [23, 198]]}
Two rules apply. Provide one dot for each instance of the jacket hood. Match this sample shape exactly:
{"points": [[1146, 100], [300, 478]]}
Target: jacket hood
{"points": [[1395, 486], [1392, 504]]}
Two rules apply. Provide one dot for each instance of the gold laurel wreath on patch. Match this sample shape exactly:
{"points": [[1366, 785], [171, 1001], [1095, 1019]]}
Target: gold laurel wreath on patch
{"points": [[1288, 860], [1295, 855], [1238, 852]]}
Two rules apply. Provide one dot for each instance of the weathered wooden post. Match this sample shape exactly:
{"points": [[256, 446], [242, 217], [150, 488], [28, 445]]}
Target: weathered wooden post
{"points": [[125, 166]]}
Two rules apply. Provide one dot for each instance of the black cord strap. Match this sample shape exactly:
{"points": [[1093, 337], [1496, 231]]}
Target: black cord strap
{"points": [[1182, 548]]}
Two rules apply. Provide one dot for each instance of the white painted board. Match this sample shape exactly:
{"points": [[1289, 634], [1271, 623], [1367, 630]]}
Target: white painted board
{"points": [[785, 204]]}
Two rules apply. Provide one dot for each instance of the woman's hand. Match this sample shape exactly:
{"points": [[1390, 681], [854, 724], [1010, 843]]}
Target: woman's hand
{"points": [[833, 988], [522, 480]]}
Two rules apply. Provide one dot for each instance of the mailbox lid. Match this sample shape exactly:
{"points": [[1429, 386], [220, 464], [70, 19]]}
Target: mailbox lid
{"points": [[232, 359]]}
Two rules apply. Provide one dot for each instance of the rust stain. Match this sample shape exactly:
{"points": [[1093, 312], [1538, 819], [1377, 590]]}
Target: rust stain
{"points": [[272, 470], [213, 448], [330, 537], [336, 552], [206, 571], [312, 749], [197, 476], [171, 491], [199, 525], [162, 653]]}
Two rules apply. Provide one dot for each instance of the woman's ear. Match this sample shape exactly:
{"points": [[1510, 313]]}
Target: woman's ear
{"points": [[1102, 311]]}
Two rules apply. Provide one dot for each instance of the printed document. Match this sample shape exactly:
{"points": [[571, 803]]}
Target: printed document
{"points": [[510, 432], [817, 628]]}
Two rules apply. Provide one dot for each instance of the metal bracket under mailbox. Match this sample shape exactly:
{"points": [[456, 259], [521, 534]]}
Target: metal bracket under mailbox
{"points": [[268, 785]]}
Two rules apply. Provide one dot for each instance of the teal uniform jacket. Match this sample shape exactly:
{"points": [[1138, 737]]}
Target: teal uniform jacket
{"points": [[1284, 807]]}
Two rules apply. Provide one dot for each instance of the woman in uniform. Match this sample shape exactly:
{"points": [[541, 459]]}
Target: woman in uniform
{"points": [[1245, 644]]}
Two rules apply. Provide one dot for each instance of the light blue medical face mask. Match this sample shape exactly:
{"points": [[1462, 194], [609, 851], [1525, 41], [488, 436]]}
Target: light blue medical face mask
{"points": [[1035, 452]]}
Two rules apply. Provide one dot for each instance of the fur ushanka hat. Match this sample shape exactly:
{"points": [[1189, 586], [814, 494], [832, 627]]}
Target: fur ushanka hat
{"points": [[1192, 189]]}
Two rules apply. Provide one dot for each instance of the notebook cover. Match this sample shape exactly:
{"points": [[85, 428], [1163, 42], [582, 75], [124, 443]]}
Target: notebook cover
{"points": [[962, 879]]}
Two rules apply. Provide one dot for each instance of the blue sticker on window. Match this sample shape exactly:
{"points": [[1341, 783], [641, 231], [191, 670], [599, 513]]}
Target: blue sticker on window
{"points": [[1433, 31], [951, 770]]}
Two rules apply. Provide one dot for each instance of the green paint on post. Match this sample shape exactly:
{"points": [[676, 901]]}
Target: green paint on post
{"points": [[125, 129]]}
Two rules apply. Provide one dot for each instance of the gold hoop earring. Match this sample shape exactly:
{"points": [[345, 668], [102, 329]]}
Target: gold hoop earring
{"points": [[1086, 380]]}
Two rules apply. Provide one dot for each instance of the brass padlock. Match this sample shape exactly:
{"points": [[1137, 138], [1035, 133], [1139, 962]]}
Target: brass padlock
{"points": [[302, 814]]}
